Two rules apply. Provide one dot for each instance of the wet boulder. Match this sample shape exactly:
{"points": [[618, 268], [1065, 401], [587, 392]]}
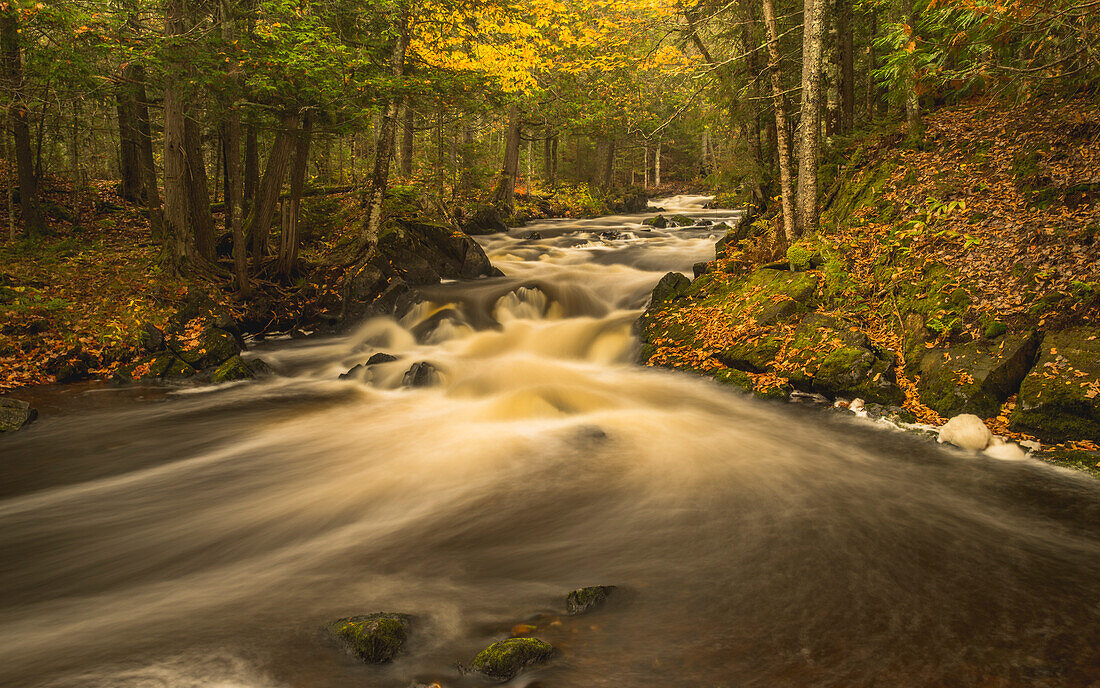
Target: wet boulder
{"points": [[670, 287], [14, 414], [487, 219], [505, 659], [381, 357], [151, 338], [1059, 399], [373, 638], [660, 222], [681, 221], [586, 599], [830, 356], [232, 370], [422, 374], [976, 377]]}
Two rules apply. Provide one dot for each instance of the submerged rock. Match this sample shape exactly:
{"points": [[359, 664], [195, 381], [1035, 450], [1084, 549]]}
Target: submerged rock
{"points": [[507, 658], [380, 357], [422, 374], [966, 431], [586, 599], [1059, 399], [14, 414], [373, 638]]}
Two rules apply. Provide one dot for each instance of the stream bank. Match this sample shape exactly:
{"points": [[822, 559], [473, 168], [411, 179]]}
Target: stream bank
{"points": [[963, 277]]}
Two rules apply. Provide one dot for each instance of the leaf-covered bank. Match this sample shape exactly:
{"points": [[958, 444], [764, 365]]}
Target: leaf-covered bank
{"points": [[958, 276]]}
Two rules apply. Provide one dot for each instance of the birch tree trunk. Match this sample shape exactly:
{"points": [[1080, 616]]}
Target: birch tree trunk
{"points": [[387, 133], [810, 119], [779, 103]]}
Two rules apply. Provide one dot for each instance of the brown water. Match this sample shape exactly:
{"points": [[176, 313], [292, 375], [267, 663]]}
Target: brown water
{"points": [[200, 537]]}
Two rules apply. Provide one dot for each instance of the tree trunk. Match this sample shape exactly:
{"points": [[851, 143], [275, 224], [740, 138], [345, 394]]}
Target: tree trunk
{"points": [[387, 133], [19, 116], [657, 165], [645, 164], [847, 67], [74, 155], [263, 206], [831, 60], [202, 222], [779, 103], [871, 104], [609, 165], [504, 194], [234, 188], [408, 131], [810, 119], [250, 182], [129, 135], [178, 244], [912, 102], [288, 245], [552, 176]]}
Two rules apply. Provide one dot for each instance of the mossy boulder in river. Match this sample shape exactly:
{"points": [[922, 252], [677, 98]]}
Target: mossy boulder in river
{"points": [[507, 658], [976, 377], [373, 638], [1060, 398], [14, 414], [660, 222], [586, 599], [232, 370]]}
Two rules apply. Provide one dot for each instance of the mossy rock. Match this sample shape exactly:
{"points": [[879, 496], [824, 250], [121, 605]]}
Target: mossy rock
{"points": [[734, 378], [584, 600], [802, 258], [14, 414], [752, 355], [671, 286], [215, 346], [682, 221], [1059, 399], [976, 377], [232, 370], [507, 658], [830, 356], [1087, 461], [660, 222], [373, 638]]}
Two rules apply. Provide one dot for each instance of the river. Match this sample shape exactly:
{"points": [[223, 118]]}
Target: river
{"points": [[200, 537]]}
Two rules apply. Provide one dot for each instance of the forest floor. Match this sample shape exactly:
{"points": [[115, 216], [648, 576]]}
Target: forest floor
{"points": [[85, 289], [991, 225]]}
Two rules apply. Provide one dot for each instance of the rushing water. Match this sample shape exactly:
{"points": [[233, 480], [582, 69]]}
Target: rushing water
{"points": [[200, 538]]}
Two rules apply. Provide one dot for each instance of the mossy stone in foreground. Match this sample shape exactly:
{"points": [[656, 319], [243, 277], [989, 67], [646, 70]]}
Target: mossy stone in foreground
{"points": [[586, 599], [233, 369], [507, 658], [373, 638]]}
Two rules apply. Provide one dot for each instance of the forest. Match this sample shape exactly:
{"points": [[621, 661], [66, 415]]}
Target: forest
{"points": [[564, 343]]}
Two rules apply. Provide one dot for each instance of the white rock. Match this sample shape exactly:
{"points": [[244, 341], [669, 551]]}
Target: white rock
{"points": [[1006, 451], [966, 431]]}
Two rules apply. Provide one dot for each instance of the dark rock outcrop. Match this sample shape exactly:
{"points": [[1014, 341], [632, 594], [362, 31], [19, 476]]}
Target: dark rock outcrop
{"points": [[1059, 398], [373, 638], [976, 377], [586, 599], [72, 366], [422, 374], [487, 219], [411, 254], [14, 414]]}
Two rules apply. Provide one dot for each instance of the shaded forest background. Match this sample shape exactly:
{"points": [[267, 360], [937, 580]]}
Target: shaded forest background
{"points": [[264, 147]]}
